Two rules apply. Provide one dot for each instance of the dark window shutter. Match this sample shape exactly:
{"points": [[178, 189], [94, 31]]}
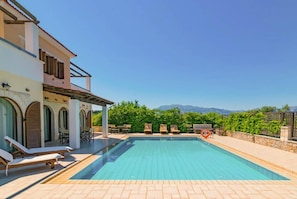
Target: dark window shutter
{"points": [[33, 126]]}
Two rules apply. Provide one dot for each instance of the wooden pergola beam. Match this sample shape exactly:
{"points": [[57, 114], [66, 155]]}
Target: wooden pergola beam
{"points": [[79, 95]]}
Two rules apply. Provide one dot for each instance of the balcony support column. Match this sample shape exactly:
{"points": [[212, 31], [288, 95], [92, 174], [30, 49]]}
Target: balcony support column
{"points": [[31, 38], [105, 121], [74, 125], [88, 83]]}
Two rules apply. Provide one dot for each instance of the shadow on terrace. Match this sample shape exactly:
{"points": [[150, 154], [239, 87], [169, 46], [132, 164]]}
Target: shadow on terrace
{"points": [[38, 172], [92, 146]]}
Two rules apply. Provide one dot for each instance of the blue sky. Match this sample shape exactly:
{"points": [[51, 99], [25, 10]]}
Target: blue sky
{"points": [[230, 54]]}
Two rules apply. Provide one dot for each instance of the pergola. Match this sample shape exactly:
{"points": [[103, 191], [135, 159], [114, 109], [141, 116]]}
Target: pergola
{"points": [[82, 96], [77, 96]]}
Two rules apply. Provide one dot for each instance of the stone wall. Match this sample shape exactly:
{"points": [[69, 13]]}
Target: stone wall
{"points": [[244, 136], [290, 146], [97, 128]]}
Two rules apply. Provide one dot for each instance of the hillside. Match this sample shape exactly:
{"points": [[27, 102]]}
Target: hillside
{"points": [[293, 108], [189, 108]]}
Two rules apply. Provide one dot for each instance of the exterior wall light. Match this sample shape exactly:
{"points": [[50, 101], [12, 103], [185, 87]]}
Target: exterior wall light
{"points": [[6, 86]]}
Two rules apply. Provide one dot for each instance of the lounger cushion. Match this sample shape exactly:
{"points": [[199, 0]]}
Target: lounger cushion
{"points": [[37, 150], [5, 155], [20, 146], [49, 149], [32, 159]]}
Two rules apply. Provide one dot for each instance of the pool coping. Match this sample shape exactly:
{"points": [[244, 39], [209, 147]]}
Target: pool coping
{"points": [[63, 176], [291, 175]]}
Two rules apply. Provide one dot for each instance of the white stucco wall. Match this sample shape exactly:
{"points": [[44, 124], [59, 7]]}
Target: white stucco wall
{"points": [[19, 62], [24, 73]]}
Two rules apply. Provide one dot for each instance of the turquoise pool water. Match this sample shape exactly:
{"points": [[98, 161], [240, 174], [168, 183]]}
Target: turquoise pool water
{"points": [[172, 158]]}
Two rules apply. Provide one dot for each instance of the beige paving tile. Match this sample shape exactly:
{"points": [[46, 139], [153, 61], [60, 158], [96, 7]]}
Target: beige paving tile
{"points": [[35, 184], [154, 194], [195, 196], [137, 196]]}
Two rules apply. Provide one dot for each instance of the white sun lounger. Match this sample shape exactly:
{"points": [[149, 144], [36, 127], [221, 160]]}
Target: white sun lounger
{"points": [[37, 151], [9, 162]]}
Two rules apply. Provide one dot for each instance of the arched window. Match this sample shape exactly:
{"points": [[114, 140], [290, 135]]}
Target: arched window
{"points": [[82, 119], [48, 123]]}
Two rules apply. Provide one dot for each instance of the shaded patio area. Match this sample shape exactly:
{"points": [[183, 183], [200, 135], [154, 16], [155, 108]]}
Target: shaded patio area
{"points": [[22, 178]]}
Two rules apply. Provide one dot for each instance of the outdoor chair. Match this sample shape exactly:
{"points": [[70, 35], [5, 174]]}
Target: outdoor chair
{"points": [[163, 128], [86, 134], [189, 128], [199, 127], [113, 129], [174, 129], [91, 134], [127, 128], [63, 135], [148, 128], [9, 162], [24, 151]]}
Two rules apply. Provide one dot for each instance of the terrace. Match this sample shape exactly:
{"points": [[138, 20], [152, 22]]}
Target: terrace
{"points": [[33, 181]]}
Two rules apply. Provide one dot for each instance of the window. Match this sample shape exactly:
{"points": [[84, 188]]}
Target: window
{"points": [[48, 65], [60, 70], [51, 65], [42, 57]]}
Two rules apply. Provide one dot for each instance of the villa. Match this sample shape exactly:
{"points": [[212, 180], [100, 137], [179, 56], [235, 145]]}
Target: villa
{"points": [[37, 98], [38, 103]]}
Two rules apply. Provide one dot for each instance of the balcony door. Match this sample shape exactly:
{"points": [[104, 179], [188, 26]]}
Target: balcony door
{"points": [[7, 122]]}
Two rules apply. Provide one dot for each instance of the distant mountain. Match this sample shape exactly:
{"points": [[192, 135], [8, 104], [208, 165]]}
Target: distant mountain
{"points": [[189, 108], [293, 108], [197, 109]]}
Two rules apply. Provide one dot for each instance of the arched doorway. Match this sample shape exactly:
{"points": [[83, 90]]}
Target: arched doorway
{"points": [[63, 118], [48, 124], [8, 122]]}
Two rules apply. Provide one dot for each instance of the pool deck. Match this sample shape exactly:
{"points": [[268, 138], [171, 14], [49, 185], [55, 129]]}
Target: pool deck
{"points": [[38, 181]]}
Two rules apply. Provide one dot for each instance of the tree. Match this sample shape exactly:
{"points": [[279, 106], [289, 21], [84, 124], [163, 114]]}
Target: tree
{"points": [[97, 118], [284, 109], [266, 109], [253, 121]]}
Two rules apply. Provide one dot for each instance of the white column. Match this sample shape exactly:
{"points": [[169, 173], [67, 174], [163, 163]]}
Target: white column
{"points": [[88, 83], [105, 121], [31, 38], [74, 129], [285, 134]]}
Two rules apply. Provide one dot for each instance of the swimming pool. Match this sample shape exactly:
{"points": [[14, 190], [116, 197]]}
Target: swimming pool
{"points": [[172, 158]]}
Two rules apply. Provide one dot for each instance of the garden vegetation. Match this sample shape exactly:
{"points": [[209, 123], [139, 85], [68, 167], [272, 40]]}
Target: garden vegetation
{"points": [[252, 121]]}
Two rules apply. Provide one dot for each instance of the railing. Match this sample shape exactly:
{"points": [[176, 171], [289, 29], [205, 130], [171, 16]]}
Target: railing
{"points": [[288, 118], [78, 72], [17, 47]]}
